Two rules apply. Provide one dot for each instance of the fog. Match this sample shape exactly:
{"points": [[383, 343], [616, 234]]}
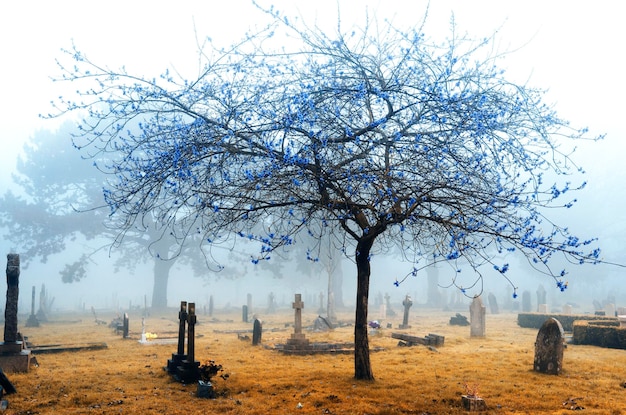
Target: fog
{"points": [[573, 49]]}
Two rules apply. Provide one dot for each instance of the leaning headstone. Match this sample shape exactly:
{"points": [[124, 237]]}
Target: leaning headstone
{"points": [[493, 304], [14, 357], [526, 302], [549, 348], [477, 318], [406, 303], [257, 332], [32, 319], [322, 324]]}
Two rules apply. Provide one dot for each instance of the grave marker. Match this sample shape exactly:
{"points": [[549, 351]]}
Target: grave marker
{"points": [[32, 319], [407, 303], [297, 338], [493, 304], [477, 318], [180, 355], [257, 332], [189, 369], [549, 348], [244, 313], [125, 326]]}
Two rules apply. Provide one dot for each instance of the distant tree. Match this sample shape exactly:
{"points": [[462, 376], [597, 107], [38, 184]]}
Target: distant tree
{"points": [[60, 201], [371, 134]]}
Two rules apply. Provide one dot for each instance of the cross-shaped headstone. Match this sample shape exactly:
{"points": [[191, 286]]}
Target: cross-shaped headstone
{"points": [[298, 305]]}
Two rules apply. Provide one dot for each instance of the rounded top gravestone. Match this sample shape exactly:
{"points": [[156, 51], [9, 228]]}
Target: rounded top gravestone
{"points": [[549, 348]]}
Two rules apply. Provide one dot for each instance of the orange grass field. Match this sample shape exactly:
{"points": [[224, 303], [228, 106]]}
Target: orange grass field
{"points": [[128, 377]]}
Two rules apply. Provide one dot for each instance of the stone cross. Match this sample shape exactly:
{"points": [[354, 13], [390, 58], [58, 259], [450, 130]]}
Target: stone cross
{"points": [[549, 348], [191, 331], [477, 318], [182, 317], [10, 312], [407, 303], [298, 305]]}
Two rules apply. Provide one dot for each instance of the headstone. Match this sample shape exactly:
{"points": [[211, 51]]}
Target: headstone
{"points": [[406, 303], [125, 326], [143, 339], [390, 311], [459, 320], [567, 309], [32, 319], [526, 302], [477, 318], [609, 310], [493, 304], [179, 356], [541, 297], [44, 305], [244, 313], [297, 338], [549, 348], [322, 324], [189, 369], [271, 303], [257, 332], [14, 357]]}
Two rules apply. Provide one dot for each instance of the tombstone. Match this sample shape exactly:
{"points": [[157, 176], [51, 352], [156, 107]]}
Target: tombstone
{"points": [[189, 369], [125, 326], [143, 339], [249, 304], [297, 339], [407, 303], [321, 310], [257, 332], [493, 304], [459, 320], [44, 304], [32, 319], [271, 303], [477, 318], [390, 311], [567, 309], [244, 313], [609, 310], [14, 357], [180, 355], [549, 348], [541, 297], [211, 306], [526, 302]]}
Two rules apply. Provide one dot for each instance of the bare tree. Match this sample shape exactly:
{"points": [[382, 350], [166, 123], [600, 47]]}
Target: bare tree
{"points": [[372, 135]]}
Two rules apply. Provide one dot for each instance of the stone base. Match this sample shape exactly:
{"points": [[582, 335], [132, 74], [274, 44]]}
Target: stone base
{"points": [[188, 372], [14, 358], [473, 403], [404, 326], [32, 321], [174, 362]]}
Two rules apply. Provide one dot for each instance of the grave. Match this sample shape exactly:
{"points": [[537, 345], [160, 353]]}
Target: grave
{"points": [[297, 339], [549, 348], [189, 369], [493, 304], [244, 313], [408, 340], [459, 320], [257, 332], [180, 355], [406, 303], [477, 318], [526, 302], [32, 319], [14, 357]]}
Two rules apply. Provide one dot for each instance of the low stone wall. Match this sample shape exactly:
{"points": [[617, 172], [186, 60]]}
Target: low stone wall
{"points": [[536, 320], [604, 333]]}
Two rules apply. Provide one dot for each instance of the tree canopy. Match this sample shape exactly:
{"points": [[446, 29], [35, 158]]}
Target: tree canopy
{"points": [[370, 134]]}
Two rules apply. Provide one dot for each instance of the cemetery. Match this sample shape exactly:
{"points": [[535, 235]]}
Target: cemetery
{"points": [[494, 366]]}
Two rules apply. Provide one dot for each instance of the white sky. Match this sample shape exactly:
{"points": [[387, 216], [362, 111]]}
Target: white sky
{"points": [[572, 48]]}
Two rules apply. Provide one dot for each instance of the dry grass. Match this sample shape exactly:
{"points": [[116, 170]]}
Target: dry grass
{"points": [[128, 377]]}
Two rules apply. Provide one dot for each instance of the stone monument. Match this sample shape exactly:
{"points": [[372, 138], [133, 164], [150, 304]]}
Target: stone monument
{"points": [[297, 339], [407, 303], [14, 357], [549, 348], [477, 318]]}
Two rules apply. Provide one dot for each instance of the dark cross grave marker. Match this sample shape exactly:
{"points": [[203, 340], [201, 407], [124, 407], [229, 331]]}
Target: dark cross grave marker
{"points": [[189, 369], [32, 319], [407, 303], [549, 348], [257, 332], [180, 355]]}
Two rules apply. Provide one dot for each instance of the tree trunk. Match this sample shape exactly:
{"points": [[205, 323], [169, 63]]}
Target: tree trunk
{"points": [[362, 365], [161, 277]]}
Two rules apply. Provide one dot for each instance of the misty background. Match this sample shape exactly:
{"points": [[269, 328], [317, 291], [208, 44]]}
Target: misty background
{"points": [[570, 48]]}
